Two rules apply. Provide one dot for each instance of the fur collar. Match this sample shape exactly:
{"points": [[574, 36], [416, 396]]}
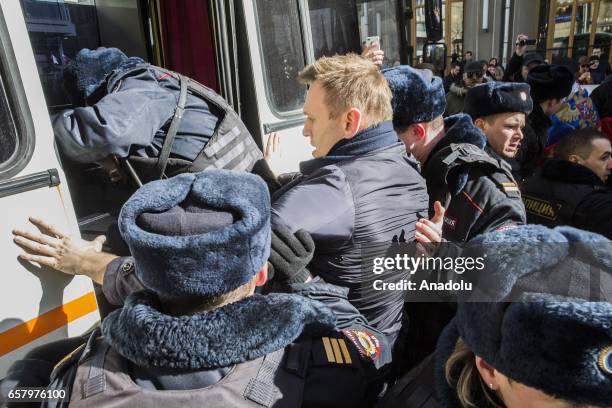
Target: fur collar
{"points": [[459, 129], [235, 333]]}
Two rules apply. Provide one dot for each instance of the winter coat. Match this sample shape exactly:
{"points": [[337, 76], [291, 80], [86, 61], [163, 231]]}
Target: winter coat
{"points": [[133, 117], [531, 151], [483, 197], [455, 99], [564, 193], [365, 192], [602, 98]]}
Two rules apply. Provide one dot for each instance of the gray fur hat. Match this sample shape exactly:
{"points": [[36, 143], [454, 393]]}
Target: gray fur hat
{"points": [[548, 337], [418, 95], [198, 234]]}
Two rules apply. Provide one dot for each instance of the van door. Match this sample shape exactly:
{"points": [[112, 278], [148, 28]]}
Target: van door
{"points": [[273, 31], [37, 305]]}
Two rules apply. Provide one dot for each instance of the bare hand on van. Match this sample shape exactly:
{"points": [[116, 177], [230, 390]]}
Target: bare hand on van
{"points": [[428, 233], [66, 253], [373, 52], [272, 152]]}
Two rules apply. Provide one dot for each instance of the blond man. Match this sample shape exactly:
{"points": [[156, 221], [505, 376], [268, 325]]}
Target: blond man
{"points": [[360, 189]]}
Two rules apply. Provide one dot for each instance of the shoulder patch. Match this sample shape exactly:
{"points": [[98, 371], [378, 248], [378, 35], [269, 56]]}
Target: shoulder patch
{"points": [[366, 343]]}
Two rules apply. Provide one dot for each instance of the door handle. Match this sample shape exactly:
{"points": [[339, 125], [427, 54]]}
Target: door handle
{"points": [[48, 178]]}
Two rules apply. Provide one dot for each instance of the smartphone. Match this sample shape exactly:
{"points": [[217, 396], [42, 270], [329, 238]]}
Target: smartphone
{"points": [[372, 39]]}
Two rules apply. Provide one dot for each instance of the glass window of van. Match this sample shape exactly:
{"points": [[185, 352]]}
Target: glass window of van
{"points": [[379, 18], [282, 52], [8, 131], [16, 133], [58, 29]]}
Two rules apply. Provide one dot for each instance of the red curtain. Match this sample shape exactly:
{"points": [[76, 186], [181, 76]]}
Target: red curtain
{"points": [[187, 40]]}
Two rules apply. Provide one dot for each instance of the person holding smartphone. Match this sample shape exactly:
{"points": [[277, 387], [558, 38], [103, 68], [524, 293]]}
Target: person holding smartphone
{"points": [[521, 62]]}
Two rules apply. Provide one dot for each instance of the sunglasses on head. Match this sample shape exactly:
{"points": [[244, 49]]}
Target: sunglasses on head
{"points": [[473, 75]]}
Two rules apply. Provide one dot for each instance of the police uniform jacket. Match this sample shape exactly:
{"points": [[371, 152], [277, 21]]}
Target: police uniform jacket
{"points": [[363, 193], [564, 193], [326, 365], [532, 147], [135, 114], [483, 196]]}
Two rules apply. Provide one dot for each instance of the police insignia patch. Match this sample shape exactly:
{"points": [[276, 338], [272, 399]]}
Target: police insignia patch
{"points": [[604, 360], [366, 343]]}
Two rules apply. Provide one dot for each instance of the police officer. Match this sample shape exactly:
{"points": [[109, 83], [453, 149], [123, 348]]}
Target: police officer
{"points": [[198, 335], [164, 122], [570, 189], [500, 110], [550, 84], [541, 340], [477, 190]]}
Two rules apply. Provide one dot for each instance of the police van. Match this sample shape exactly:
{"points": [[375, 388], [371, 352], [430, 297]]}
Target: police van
{"points": [[249, 51]]}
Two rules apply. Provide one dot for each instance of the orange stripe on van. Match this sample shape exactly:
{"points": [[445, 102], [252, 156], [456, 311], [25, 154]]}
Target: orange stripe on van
{"points": [[33, 329]]}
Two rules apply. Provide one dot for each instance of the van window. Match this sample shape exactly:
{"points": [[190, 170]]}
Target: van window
{"points": [[282, 53], [334, 27], [379, 18], [58, 30], [16, 133], [8, 131]]}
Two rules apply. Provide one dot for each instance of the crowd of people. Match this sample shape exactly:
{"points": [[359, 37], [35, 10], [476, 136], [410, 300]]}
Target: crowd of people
{"points": [[240, 287]]}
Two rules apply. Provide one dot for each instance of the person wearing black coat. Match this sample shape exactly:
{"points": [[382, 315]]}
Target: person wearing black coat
{"points": [[602, 98], [571, 190], [521, 63], [549, 85], [192, 330]]}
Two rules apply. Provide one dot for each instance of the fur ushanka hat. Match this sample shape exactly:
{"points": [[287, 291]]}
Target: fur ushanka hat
{"points": [[418, 95], [558, 341], [198, 234]]}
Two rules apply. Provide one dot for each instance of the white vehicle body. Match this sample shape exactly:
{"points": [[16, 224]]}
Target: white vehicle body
{"points": [[40, 305], [36, 305]]}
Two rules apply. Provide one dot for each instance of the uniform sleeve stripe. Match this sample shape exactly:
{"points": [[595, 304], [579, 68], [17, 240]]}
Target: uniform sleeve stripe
{"points": [[336, 347], [328, 350], [345, 352]]}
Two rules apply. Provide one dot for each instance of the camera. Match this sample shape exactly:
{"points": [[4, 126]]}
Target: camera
{"points": [[523, 43]]}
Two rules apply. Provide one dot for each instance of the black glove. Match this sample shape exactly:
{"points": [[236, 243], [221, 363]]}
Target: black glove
{"points": [[290, 254]]}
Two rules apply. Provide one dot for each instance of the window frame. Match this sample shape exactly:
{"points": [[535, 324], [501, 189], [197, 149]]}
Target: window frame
{"points": [[18, 107], [267, 86]]}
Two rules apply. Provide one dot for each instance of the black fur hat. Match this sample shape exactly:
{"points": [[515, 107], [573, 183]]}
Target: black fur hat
{"points": [[550, 82], [497, 97]]}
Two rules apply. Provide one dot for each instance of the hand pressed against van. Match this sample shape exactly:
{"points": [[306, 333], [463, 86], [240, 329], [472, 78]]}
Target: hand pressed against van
{"points": [[66, 253]]}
